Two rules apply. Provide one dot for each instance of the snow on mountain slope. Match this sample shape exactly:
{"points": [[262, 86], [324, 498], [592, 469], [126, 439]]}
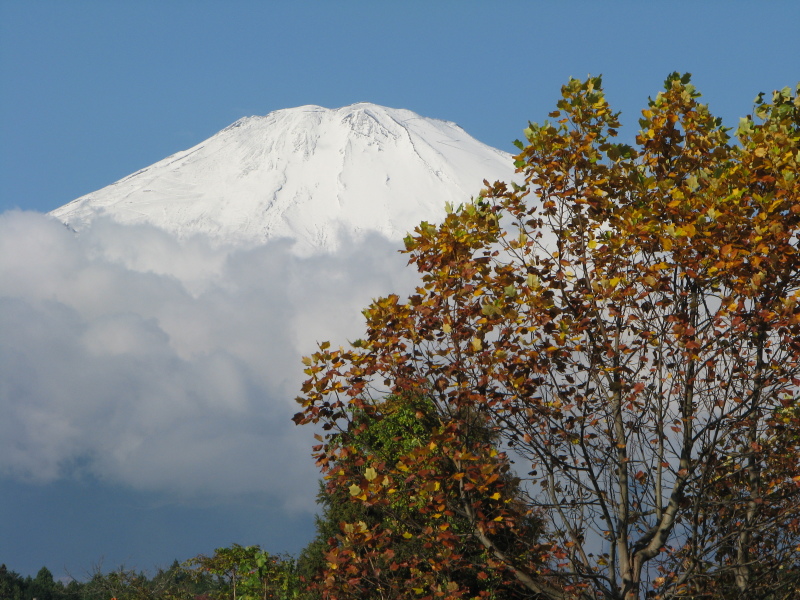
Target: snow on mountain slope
{"points": [[305, 173]]}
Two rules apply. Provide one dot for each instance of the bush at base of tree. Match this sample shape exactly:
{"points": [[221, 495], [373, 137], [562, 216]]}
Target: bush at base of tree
{"points": [[396, 431]]}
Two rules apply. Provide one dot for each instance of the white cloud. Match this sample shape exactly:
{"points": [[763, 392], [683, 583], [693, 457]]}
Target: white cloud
{"points": [[169, 366]]}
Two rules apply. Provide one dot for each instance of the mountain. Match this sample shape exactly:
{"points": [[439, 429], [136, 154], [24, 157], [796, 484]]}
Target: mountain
{"points": [[304, 173]]}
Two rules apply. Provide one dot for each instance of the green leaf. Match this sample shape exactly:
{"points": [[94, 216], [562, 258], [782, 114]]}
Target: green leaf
{"points": [[490, 309]]}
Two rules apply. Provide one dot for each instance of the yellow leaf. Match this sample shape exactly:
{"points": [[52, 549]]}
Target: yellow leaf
{"points": [[407, 535], [476, 344], [370, 474], [355, 490], [495, 496], [446, 328], [432, 486]]}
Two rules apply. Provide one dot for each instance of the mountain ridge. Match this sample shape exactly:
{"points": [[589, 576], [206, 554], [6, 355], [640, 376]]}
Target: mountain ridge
{"points": [[304, 173]]}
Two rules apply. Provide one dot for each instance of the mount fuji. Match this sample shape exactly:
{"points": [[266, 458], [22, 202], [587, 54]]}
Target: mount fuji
{"points": [[308, 174]]}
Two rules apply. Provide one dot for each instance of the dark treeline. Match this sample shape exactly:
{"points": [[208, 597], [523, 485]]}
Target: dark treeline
{"points": [[175, 582], [235, 573]]}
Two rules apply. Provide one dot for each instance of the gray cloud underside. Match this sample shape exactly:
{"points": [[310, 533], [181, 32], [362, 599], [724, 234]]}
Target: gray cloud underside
{"points": [[169, 366]]}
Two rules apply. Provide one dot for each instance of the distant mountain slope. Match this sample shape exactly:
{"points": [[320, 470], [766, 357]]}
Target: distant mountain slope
{"points": [[304, 173]]}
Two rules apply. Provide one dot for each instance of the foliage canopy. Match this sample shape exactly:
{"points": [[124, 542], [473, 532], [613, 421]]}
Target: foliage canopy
{"points": [[394, 433], [626, 326]]}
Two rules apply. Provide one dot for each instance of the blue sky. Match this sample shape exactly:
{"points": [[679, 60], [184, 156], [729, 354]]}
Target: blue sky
{"points": [[92, 91]]}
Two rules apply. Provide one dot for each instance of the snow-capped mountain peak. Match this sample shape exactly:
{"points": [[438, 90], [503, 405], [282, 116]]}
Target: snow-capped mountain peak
{"points": [[304, 173]]}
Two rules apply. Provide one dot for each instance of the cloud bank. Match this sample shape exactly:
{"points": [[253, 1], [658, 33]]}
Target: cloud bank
{"points": [[169, 366]]}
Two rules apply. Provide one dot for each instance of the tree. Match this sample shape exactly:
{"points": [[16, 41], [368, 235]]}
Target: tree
{"points": [[385, 535], [247, 573], [41, 587], [226, 565], [129, 584], [44, 587], [627, 324], [270, 577], [12, 585]]}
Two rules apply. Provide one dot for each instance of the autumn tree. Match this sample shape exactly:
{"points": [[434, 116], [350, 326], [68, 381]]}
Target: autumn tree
{"points": [[626, 323], [386, 535]]}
